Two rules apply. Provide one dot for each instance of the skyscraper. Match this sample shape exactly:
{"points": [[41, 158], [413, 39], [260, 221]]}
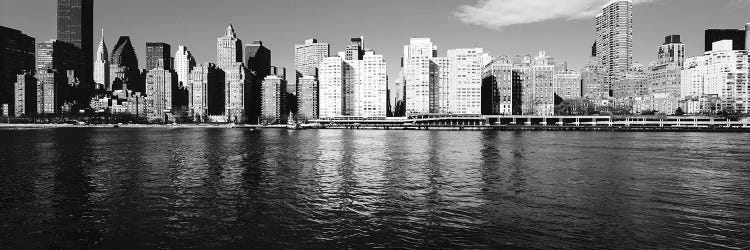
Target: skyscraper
{"points": [[101, 66], [672, 51], [307, 57], [25, 95], [183, 64], [236, 92], [156, 52], [17, 52], [228, 50], [258, 61], [421, 85], [198, 91], [664, 75], [75, 25], [614, 39], [123, 63], [58, 57]]}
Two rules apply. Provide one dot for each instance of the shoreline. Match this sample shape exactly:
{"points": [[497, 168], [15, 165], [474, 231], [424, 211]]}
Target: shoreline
{"points": [[401, 127]]}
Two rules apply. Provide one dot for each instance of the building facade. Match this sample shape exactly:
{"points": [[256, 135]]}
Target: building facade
{"points": [[308, 97], [568, 84], [421, 85], [124, 72], [25, 95], [156, 52], [75, 25], [614, 40], [371, 92], [721, 72], [332, 87], [159, 93], [273, 109], [17, 52], [307, 58], [228, 50], [183, 64], [236, 92], [465, 80], [101, 66]]}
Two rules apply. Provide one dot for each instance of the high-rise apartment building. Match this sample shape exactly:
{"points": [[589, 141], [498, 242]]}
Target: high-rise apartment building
{"points": [[183, 64], [332, 87], [75, 25], [45, 92], [672, 51], [156, 52], [440, 73], [465, 80], [371, 90], [17, 52], [722, 72], [101, 66], [307, 96], [421, 85], [614, 39], [274, 98], [501, 95], [355, 50], [159, 93]]}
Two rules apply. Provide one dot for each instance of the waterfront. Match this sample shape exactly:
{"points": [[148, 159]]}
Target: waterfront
{"points": [[215, 187]]}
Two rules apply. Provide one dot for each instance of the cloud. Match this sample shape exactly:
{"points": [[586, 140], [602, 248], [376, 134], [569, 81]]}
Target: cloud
{"points": [[496, 14]]}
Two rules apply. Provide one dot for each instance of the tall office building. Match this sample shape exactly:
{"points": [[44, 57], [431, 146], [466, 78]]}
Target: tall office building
{"points": [[75, 25], [273, 107], [59, 57], [614, 39], [371, 90], [228, 50], [17, 52], [159, 93], [421, 84], [156, 52], [465, 80], [307, 58], [183, 64], [101, 66], [123, 63], [25, 95], [332, 87], [258, 61]]}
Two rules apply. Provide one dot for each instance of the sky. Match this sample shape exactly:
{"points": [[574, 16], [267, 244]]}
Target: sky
{"points": [[564, 29]]}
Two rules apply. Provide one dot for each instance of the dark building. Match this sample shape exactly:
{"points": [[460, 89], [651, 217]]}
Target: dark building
{"points": [[156, 52], [593, 50], [258, 61], [736, 35], [16, 57], [124, 70], [216, 79], [75, 25], [62, 59]]}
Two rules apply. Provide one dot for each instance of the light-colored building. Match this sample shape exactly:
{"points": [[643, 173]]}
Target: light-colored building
{"points": [[421, 85], [332, 87], [543, 100], [440, 70], [351, 72], [722, 72], [568, 84], [465, 80], [273, 106], [307, 95], [101, 66], [307, 58], [183, 64], [45, 95], [198, 94], [371, 92], [159, 93], [236, 91], [614, 39], [25, 95], [228, 50], [592, 82]]}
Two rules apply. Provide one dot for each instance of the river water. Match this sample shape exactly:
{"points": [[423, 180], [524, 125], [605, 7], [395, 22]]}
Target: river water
{"points": [[232, 188]]}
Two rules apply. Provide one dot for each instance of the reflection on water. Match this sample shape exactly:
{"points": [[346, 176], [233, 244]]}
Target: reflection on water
{"points": [[214, 188]]}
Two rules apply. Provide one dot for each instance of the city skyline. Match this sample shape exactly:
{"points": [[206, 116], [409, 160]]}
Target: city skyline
{"points": [[442, 23]]}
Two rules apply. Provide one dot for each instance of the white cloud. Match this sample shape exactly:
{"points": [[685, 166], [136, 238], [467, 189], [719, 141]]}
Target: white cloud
{"points": [[497, 14]]}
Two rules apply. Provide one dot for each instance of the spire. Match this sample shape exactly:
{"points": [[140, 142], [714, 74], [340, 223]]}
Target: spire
{"points": [[230, 31]]}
